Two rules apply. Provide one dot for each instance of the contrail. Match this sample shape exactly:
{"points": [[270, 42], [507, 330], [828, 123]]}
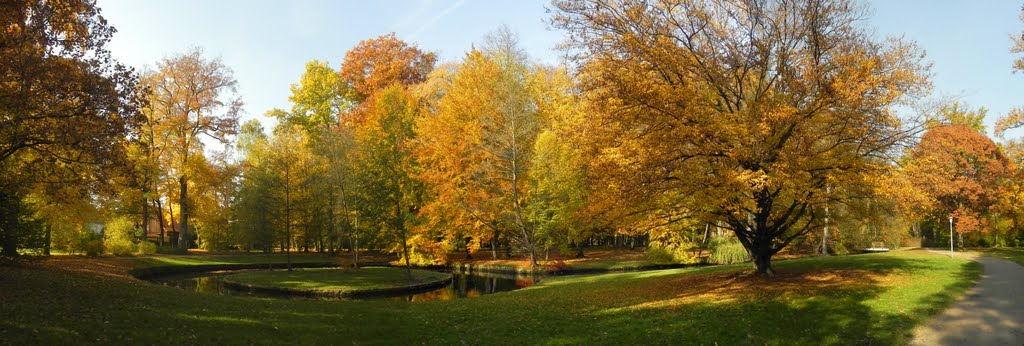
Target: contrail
{"points": [[431, 22]]}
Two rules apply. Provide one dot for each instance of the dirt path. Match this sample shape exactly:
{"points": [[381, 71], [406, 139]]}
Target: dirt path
{"points": [[990, 313]]}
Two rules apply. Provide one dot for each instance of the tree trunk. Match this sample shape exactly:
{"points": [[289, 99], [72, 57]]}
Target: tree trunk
{"points": [[332, 230], [405, 253], [824, 239], [183, 235], [266, 251], [579, 249], [174, 224], [160, 218], [762, 261], [145, 218], [759, 247], [704, 243], [46, 246], [355, 242], [400, 226], [288, 215], [10, 246], [494, 245], [288, 242], [288, 253], [355, 254], [517, 209]]}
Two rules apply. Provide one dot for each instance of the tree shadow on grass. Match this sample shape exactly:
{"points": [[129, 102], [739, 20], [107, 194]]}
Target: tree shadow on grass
{"points": [[854, 300]]}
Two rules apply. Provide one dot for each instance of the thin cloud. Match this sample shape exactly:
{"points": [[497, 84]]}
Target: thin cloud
{"points": [[436, 18]]}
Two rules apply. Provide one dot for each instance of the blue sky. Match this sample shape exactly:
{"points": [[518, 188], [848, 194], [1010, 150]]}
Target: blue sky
{"points": [[267, 42]]}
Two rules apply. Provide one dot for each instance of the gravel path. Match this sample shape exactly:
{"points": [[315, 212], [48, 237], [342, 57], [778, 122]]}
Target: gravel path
{"points": [[990, 313]]}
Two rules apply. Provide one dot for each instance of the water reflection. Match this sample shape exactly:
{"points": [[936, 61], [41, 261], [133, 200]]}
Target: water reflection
{"points": [[472, 285], [206, 283], [462, 286]]}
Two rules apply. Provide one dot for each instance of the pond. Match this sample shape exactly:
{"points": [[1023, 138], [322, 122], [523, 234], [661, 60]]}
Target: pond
{"points": [[461, 286]]}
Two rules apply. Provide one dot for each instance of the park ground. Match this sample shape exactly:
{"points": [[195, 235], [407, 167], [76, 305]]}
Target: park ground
{"points": [[860, 299]]}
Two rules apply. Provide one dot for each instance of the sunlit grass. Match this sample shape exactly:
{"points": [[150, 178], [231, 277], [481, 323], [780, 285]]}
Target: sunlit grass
{"points": [[864, 299]]}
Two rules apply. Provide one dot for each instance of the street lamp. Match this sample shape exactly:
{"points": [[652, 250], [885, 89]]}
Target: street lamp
{"points": [[950, 236]]}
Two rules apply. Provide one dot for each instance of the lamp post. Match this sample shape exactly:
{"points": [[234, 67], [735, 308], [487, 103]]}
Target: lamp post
{"points": [[951, 236]]}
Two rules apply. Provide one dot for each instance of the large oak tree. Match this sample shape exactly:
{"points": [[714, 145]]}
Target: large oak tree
{"points": [[740, 111], [195, 97]]}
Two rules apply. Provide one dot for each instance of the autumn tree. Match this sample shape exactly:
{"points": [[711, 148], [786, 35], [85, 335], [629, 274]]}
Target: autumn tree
{"points": [[379, 192], [963, 171], [562, 205], [318, 101], [741, 112], [337, 149], [149, 156], [388, 196], [290, 163], [478, 145], [65, 104], [1015, 118], [557, 193], [196, 99], [254, 201], [1010, 208], [1013, 195], [216, 178], [449, 136], [377, 63]]}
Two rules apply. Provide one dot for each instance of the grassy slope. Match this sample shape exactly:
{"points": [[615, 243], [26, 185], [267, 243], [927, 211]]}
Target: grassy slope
{"points": [[336, 279], [862, 299]]}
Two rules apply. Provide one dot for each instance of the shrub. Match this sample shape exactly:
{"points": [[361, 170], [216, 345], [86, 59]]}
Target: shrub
{"points": [[145, 248], [667, 252], [92, 247], [118, 236], [659, 255], [727, 250]]}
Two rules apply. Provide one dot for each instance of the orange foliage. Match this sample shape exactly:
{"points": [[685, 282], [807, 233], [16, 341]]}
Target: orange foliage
{"points": [[962, 170], [379, 62], [701, 111]]}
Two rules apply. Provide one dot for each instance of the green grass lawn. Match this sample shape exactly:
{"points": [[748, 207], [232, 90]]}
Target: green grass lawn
{"points": [[864, 299], [336, 280], [1013, 254]]}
